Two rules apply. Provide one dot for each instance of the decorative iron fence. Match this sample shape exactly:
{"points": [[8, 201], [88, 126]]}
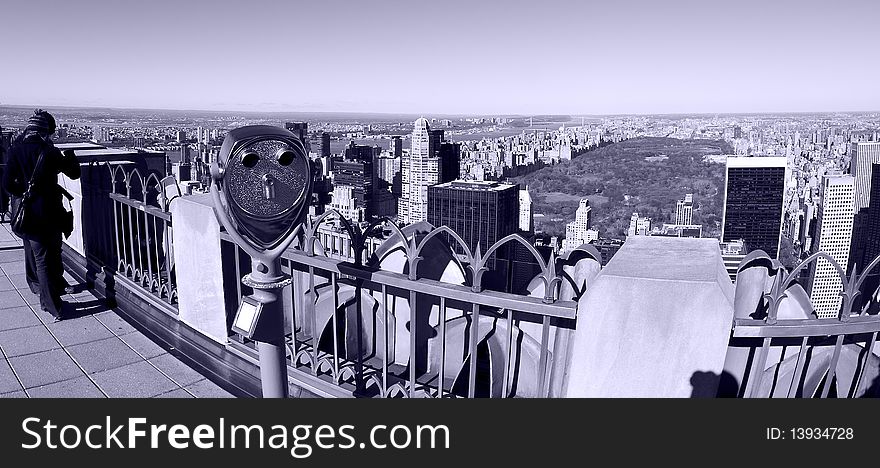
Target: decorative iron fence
{"points": [[143, 232], [814, 357], [408, 317], [413, 320]]}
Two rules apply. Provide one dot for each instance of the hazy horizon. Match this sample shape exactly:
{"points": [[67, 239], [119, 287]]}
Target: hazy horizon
{"points": [[28, 107], [632, 57]]}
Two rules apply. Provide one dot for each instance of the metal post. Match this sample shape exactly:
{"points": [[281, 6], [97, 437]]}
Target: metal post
{"points": [[267, 282]]}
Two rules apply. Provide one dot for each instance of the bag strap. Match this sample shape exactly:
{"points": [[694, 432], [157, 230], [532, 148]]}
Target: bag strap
{"points": [[37, 168]]}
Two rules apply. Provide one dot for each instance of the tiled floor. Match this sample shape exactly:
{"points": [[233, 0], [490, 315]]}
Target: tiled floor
{"points": [[96, 355], [7, 239]]}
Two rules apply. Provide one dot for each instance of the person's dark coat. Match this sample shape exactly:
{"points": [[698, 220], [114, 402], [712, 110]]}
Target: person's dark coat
{"points": [[46, 205]]}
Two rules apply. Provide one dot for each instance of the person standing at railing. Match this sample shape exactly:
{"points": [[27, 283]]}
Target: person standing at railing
{"points": [[33, 164]]}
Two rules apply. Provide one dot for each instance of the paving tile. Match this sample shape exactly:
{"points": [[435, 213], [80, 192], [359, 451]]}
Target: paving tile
{"points": [[18, 394], [176, 369], [5, 284], [30, 297], [138, 380], [181, 393], [115, 323], [8, 382], [17, 317], [12, 256], [79, 330], [42, 315], [10, 269], [143, 345], [29, 340], [19, 280], [9, 299], [44, 368], [207, 389], [79, 387], [104, 354]]}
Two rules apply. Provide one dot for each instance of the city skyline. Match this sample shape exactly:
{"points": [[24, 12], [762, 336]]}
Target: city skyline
{"points": [[451, 58]]}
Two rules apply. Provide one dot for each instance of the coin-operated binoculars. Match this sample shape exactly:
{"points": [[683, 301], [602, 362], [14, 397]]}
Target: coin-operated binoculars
{"points": [[262, 183]]}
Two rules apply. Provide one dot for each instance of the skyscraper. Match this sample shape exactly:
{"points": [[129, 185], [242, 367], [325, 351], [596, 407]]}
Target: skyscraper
{"points": [[436, 138], [864, 155], [872, 222], [396, 148], [684, 210], [300, 129], [480, 212], [419, 169], [526, 212], [753, 202], [356, 171], [834, 231], [324, 150], [450, 160], [576, 231]]}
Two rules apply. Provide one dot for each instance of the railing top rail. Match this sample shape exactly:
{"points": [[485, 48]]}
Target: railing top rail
{"points": [[754, 328], [535, 305], [140, 205]]}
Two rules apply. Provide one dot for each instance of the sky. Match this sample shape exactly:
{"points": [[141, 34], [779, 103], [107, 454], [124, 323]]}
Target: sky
{"points": [[444, 57]]}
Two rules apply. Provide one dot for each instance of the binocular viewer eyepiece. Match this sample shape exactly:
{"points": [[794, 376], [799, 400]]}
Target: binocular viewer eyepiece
{"points": [[264, 178]]}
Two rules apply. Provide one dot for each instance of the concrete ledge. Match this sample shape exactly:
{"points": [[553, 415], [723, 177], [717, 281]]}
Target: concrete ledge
{"points": [[655, 323]]}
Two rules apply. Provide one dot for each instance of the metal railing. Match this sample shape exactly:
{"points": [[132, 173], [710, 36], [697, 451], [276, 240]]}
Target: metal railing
{"points": [[143, 232], [409, 317], [814, 357], [407, 333]]}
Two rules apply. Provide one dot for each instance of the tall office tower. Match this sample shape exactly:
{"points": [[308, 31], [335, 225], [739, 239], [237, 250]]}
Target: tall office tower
{"points": [[872, 224], [450, 161], [871, 237], [480, 212], [388, 168], [576, 231], [684, 210], [419, 170], [863, 157], [356, 170], [301, 130], [753, 202], [184, 154], [324, 150], [181, 136], [835, 224], [526, 211], [396, 148], [437, 137]]}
